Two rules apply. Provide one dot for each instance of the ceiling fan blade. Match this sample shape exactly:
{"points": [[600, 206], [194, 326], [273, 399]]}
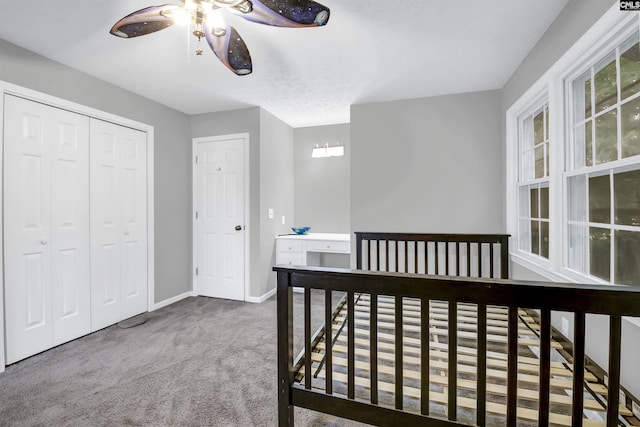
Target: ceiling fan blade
{"points": [[145, 21], [230, 49], [286, 13]]}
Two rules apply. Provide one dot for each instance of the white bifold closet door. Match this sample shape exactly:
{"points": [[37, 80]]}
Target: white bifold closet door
{"points": [[118, 223], [46, 227]]}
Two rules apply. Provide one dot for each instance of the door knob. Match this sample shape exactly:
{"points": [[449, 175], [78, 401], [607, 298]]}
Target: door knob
{"points": [[238, 227], [126, 233], [43, 242]]}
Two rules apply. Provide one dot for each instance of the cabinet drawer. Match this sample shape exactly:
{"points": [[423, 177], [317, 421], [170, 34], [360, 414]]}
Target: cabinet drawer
{"points": [[292, 246], [327, 246], [289, 259]]}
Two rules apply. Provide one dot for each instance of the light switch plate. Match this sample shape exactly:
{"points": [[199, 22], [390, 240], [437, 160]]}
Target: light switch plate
{"points": [[270, 214], [283, 221]]}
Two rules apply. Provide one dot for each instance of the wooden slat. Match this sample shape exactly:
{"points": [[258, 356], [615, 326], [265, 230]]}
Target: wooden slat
{"points": [[453, 360], [578, 368], [351, 344], [373, 346], [481, 377], [307, 337], [328, 333], [545, 366], [615, 332], [424, 355], [399, 353], [512, 367]]}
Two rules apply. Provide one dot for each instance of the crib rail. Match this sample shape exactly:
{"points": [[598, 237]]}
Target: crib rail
{"points": [[470, 255], [612, 301]]}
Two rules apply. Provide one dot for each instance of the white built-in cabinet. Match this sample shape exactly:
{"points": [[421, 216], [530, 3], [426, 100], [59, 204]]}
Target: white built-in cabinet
{"points": [[75, 225]]}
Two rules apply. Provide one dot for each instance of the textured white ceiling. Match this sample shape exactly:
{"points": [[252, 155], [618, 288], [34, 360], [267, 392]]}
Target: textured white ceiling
{"points": [[370, 51]]}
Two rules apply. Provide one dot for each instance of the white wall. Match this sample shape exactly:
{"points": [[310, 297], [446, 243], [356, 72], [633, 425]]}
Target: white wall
{"points": [[428, 165], [322, 187]]}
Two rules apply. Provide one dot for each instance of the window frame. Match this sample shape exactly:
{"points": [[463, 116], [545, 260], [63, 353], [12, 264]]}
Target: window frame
{"points": [[556, 85]]}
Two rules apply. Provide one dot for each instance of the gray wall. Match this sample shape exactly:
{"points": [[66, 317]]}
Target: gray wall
{"points": [[576, 18], [172, 160], [428, 165], [276, 192], [322, 189]]}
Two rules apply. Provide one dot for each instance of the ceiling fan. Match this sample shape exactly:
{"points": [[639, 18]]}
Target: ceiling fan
{"points": [[224, 40]]}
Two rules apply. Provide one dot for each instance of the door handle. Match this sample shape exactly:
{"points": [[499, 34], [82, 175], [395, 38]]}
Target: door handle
{"points": [[43, 242], [238, 227]]}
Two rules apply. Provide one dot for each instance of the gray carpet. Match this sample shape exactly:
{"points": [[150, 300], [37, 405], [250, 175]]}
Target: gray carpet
{"points": [[198, 362]]}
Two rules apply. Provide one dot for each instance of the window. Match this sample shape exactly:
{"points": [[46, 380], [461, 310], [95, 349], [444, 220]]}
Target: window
{"points": [[573, 202], [533, 185], [603, 181]]}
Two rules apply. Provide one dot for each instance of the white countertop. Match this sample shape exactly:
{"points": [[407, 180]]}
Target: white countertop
{"points": [[337, 237]]}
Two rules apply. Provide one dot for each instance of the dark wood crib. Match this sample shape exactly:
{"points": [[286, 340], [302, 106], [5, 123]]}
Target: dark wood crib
{"points": [[429, 331]]}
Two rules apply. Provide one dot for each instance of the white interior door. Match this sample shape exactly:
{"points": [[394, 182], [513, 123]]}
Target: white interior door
{"points": [[118, 223], [46, 246], [220, 219]]}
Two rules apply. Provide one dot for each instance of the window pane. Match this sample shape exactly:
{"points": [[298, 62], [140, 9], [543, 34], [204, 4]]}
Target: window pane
{"points": [[540, 161], [525, 239], [627, 258], [630, 71], [626, 187], [582, 97], [600, 252], [607, 137], [546, 159], [588, 142], [578, 248], [600, 199], [546, 123], [544, 239], [538, 128], [631, 128], [577, 187], [605, 84], [535, 237], [544, 202], [534, 203]]}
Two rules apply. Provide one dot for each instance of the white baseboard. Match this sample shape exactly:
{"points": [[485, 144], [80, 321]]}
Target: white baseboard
{"points": [[171, 300], [263, 298]]}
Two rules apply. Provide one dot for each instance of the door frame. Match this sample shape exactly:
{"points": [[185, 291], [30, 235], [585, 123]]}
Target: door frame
{"points": [[194, 189], [7, 88]]}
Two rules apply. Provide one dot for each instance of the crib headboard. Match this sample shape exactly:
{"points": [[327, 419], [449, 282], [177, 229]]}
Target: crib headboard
{"points": [[470, 255]]}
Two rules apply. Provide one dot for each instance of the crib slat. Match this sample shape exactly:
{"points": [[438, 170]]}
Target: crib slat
{"points": [[328, 337], [373, 346], [468, 259], [453, 360], [457, 258], [395, 266], [399, 352], [578, 368], [512, 365], [406, 256], [437, 264], [446, 258], [424, 354], [386, 254], [490, 259], [426, 257], [307, 339], [479, 259], [368, 254], [545, 366], [615, 332], [351, 347], [481, 375], [415, 257], [378, 268]]}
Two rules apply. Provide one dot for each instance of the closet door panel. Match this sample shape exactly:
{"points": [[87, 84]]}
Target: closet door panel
{"points": [[106, 248], [70, 226], [134, 222], [27, 230]]}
